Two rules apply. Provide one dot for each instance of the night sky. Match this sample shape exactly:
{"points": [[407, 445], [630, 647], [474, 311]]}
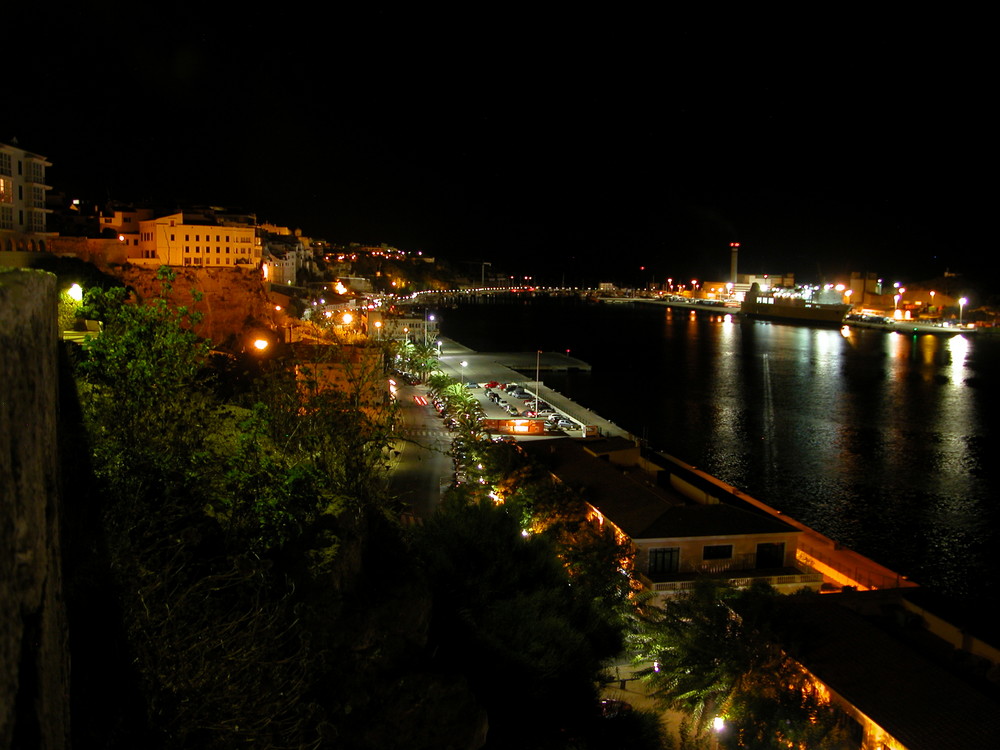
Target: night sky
{"points": [[556, 145]]}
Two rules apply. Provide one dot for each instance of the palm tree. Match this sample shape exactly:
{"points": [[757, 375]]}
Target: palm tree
{"points": [[715, 653]]}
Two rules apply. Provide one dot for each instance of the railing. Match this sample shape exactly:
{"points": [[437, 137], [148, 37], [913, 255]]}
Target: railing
{"points": [[803, 579]]}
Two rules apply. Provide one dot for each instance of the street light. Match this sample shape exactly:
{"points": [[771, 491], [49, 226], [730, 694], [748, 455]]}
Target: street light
{"points": [[718, 724], [961, 308], [538, 355], [430, 318], [464, 365]]}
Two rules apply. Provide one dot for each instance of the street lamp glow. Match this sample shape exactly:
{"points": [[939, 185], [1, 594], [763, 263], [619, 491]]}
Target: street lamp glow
{"points": [[347, 319], [260, 344], [464, 365], [75, 293], [961, 308]]}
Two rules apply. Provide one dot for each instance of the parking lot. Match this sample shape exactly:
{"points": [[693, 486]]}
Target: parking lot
{"points": [[469, 366]]}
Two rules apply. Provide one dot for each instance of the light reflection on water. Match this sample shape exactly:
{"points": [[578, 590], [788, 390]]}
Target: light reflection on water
{"points": [[881, 441]]}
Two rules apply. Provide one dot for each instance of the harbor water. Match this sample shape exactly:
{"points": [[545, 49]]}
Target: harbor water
{"points": [[881, 441]]}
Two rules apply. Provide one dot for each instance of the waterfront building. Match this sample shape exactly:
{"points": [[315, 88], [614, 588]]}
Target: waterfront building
{"points": [[23, 226], [676, 538], [890, 664]]}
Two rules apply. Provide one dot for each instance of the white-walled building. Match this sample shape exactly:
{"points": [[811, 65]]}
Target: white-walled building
{"points": [[22, 200], [169, 240]]}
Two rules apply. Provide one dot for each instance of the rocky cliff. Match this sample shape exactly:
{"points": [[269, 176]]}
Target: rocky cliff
{"points": [[234, 301]]}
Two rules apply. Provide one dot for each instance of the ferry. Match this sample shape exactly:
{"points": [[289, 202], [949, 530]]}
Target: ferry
{"points": [[791, 305]]}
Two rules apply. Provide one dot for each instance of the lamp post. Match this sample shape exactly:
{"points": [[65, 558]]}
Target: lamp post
{"points": [[464, 365], [718, 724], [538, 355], [961, 309], [427, 318]]}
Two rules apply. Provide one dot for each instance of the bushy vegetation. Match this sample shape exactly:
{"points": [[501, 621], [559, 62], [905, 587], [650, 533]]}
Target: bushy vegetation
{"points": [[261, 592]]}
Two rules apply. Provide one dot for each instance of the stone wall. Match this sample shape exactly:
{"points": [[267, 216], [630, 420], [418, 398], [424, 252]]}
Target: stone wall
{"points": [[34, 662]]}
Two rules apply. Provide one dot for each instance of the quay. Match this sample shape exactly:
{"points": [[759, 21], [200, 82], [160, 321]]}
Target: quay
{"points": [[839, 565], [904, 327]]}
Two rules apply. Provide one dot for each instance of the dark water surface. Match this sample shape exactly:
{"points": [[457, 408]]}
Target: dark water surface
{"points": [[882, 441]]}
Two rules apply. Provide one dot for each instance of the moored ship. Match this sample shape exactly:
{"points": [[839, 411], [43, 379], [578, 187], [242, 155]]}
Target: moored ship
{"points": [[791, 305]]}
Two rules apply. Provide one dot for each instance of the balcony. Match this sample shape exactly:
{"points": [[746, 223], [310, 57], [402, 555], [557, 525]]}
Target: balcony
{"points": [[785, 580]]}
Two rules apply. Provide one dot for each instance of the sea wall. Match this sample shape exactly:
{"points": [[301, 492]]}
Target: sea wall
{"points": [[34, 662]]}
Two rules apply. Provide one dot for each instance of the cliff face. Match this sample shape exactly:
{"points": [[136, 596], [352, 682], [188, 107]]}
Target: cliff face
{"points": [[34, 663], [234, 300]]}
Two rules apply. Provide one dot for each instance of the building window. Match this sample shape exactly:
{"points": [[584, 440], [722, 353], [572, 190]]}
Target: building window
{"points": [[717, 552], [5, 163], [6, 190], [664, 560], [6, 217], [770, 555]]}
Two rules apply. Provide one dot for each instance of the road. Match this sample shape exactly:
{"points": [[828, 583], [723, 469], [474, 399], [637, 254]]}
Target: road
{"points": [[421, 464]]}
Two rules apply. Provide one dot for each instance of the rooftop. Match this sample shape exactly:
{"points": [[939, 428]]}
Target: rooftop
{"points": [[630, 498]]}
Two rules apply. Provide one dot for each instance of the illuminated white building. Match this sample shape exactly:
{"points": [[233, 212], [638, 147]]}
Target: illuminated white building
{"points": [[170, 241], [22, 200]]}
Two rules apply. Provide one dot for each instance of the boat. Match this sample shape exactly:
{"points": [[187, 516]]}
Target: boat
{"points": [[791, 305]]}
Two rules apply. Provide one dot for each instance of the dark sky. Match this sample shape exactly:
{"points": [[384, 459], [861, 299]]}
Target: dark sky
{"points": [[553, 144]]}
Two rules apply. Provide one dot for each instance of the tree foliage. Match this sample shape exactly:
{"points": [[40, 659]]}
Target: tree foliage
{"points": [[717, 652], [223, 524], [504, 601]]}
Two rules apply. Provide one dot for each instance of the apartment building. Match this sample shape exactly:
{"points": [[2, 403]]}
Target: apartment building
{"points": [[22, 200], [175, 240]]}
